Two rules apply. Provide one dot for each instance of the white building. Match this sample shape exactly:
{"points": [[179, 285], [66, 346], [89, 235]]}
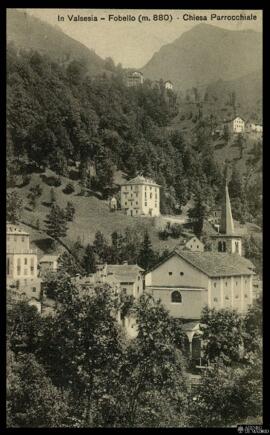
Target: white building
{"points": [[21, 263], [254, 128], [236, 125], [134, 78], [187, 281], [194, 244], [140, 196], [168, 85]]}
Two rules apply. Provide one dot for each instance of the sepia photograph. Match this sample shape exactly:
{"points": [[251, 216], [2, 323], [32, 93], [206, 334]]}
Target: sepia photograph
{"points": [[134, 293]]}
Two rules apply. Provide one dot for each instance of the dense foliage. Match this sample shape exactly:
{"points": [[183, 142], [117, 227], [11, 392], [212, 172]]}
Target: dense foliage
{"points": [[58, 115]]}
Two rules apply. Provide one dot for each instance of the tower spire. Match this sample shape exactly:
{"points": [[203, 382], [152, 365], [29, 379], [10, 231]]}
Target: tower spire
{"points": [[226, 224]]}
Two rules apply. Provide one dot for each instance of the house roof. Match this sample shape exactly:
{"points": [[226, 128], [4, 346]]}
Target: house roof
{"points": [[48, 258], [14, 229], [124, 272], [232, 119], [141, 180], [214, 264]]}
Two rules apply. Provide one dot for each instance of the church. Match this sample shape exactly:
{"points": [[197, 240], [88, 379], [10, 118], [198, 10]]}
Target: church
{"points": [[187, 281]]}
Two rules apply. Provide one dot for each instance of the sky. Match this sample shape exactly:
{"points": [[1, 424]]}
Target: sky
{"points": [[133, 43]]}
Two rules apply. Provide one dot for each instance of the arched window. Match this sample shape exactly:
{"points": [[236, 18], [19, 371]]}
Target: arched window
{"points": [[176, 297], [220, 246], [224, 247]]}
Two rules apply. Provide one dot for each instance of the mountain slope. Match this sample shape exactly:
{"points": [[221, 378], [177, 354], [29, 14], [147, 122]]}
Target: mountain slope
{"points": [[28, 32], [205, 54]]}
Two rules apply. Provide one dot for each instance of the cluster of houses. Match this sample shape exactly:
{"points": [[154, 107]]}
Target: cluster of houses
{"points": [[188, 279], [239, 125], [136, 78]]}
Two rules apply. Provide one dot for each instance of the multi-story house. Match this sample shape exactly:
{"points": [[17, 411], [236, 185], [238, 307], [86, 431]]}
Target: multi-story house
{"points": [[21, 263], [134, 78], [140, 196], [236, 125]]}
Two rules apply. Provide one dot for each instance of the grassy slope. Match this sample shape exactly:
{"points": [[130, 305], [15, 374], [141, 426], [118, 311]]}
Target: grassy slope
{"points": [[92, 214]]}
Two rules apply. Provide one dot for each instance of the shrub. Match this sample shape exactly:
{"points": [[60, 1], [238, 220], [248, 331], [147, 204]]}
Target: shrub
{"points": [[176, 231], [69, 188]]}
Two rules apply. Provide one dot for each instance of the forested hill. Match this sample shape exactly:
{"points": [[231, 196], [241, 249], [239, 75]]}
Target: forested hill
{"points": [[28, 32], [58, 115]]}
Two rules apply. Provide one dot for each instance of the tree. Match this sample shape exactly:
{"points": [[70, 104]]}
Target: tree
{"points": [[70, 211], [52, 195], [146, 256], [55, 223], [32, 399], [100, 245], [222, 335], [203, 202], [253, 327], [90, 259], [83, 353], [69, 264], [35, 193], [154, 390], [23, 325], [228, 396], [14, 207]]}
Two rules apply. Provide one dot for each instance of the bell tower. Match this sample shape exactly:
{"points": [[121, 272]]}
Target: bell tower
{"points": [[226, 240]]}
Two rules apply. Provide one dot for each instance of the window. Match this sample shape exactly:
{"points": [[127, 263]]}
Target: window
{"points": [[150, 195], [246, 295], [156, 205], [34, 289], [22, 239], [170, 273], [176, 297], [197, 246], [215, 299], [226, 283], [145, 204], [236, 296], [25, 261], [181, 273], [215, 284], [227, 298]]}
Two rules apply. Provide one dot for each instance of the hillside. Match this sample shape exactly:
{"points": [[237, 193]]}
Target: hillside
{"points": [[30, 33], [92, 215], [206, 54]]}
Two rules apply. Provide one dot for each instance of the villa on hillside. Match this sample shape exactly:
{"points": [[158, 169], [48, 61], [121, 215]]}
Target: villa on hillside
{"points": [[235, 125], [140, 196], [134, 78]]}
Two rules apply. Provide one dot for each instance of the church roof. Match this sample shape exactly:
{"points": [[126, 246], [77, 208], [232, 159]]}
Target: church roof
{"points": [[226, 220], [213, 264], [217, 264]]}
